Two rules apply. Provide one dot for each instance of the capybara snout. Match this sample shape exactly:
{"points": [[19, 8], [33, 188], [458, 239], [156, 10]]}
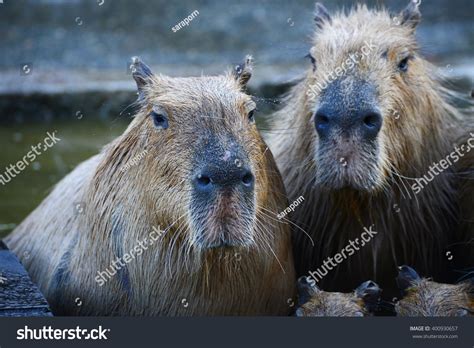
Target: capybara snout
{"points": [[223, 194]]}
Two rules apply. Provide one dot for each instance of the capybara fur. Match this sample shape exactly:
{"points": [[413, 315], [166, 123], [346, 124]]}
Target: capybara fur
{"points": [[190, 228], [314, 302], [371, 136], [423, 297]]}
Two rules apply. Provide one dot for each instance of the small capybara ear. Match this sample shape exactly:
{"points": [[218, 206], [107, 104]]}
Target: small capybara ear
{"points": [[407, 277], [411, 15], [369, 292], [307, 288], [243, 72], [321, 15], [141, 74]]}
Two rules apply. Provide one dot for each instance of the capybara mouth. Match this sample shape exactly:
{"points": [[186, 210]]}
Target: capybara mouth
{"points": [[355, 168], [227, 221]]}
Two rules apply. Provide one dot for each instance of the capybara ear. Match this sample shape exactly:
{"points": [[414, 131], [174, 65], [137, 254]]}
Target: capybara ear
{"points": [[321, 15], [141, 74], [411, 15], [243, 72], [307, 288], [369, 292], [407, 277]]}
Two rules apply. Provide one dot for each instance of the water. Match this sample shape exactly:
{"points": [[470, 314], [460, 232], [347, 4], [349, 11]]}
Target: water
{"points": [[80, 139]]}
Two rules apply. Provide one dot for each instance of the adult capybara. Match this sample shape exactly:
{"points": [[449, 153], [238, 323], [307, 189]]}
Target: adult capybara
{"points": [[372, 138], [314, 302], [426, 298], [188, 229]]}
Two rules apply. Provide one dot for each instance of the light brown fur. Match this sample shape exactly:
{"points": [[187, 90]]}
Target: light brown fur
{"points": [[415, 229], [176, 276]]}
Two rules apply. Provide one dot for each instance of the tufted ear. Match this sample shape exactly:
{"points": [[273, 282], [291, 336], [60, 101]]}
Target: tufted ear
{"points": [[141, 74], [243, 72], [407, 277], [321, 15], [307, 288], [411, 15], [369, 292]]}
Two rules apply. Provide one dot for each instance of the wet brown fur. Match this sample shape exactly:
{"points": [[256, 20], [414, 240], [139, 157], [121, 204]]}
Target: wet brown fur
{"points": [[430, 299], [63, 251], [414, 229]]}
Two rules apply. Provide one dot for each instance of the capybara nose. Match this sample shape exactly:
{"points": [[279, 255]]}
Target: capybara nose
{"points": [[366, 122], [216, 177]]}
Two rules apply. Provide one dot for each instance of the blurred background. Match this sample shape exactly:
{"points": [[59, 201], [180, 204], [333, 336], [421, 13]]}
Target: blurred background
{"points": [[64, 67]]}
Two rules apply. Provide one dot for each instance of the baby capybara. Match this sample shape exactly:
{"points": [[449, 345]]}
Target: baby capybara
{"points": [[372, 138], [188, 229], [425, 298], [313, 302]]}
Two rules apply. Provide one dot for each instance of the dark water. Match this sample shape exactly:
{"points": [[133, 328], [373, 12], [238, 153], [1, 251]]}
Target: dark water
{"points": [[79, 140]]}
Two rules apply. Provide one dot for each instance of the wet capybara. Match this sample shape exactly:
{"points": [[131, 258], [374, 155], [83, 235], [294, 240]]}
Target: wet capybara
{"points": [[188, 229], [313, 302], [425, 298], [372, 138]]}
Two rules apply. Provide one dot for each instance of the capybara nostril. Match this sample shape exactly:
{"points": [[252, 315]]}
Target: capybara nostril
{"points": [[203, 180], [321, 121], [372, 122], [248, 179]]}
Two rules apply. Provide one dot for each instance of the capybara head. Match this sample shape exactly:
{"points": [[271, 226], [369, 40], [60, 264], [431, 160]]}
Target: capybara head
{"points": [[203, 167], [313, 302], [363, 93], [426, 298]]}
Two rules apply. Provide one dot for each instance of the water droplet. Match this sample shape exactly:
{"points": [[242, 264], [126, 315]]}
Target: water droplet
{"points": [[185, 303], [79, 21], [238, 163], [343, 161]]}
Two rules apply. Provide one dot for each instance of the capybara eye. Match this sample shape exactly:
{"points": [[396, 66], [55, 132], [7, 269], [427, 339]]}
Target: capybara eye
{"points": [[251, 116], [403, 65], [159, 120]]}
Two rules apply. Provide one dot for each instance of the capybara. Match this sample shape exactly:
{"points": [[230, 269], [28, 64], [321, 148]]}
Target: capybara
{"points": [[188, 229], [371, 136], [314, 302], [425, 298]]}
